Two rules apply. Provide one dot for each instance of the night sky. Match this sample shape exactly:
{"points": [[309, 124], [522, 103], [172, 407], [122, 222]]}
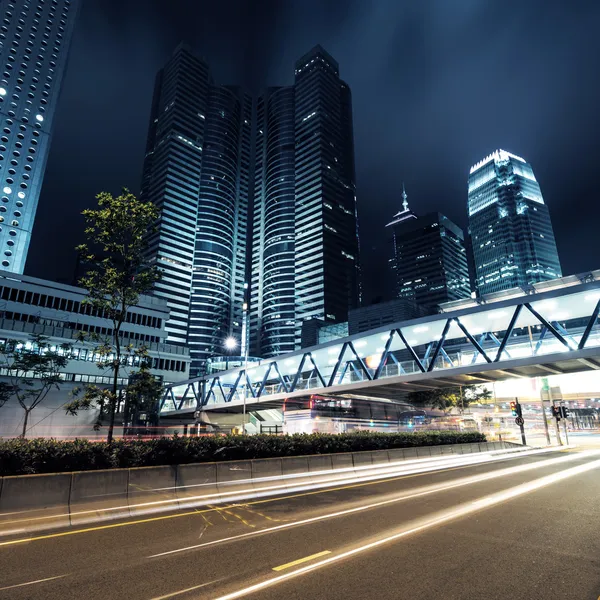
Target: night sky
{"points": [[437, 85]]}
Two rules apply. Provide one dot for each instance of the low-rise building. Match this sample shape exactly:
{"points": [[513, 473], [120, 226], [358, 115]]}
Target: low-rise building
{"points": [[35, 306]]}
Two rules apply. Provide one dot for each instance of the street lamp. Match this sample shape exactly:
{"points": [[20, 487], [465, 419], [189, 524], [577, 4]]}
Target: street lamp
{"points": [[230, 344]]}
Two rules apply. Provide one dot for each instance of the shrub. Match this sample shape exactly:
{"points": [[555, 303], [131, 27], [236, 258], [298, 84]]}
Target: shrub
{"points": [[19, 457]]}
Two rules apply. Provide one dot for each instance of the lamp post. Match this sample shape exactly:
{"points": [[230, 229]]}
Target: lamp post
{"points": [[245, 351]]}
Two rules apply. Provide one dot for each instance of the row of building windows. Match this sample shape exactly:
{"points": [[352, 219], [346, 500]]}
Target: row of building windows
{"points": [[63, 304], [102, 331], [84, 354]]}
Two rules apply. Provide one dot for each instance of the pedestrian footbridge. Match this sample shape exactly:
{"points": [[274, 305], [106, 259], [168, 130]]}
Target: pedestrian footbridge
{"points": [[527, 335]]}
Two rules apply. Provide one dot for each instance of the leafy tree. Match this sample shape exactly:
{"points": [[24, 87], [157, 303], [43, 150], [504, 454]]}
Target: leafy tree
{"points": [[447, 398], [142, 395], [32, 371], [119, 273]]}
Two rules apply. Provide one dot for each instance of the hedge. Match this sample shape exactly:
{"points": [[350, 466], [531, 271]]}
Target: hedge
{"points": [[19, 457]]}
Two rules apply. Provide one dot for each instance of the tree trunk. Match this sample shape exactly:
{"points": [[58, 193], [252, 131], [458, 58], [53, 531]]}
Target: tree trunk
{"points": [[115, 385], [25, 424], [111, 424]]}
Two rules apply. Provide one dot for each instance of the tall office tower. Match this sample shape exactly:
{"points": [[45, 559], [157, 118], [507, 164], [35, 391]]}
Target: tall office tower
{"points": [[196, 171], [512, 237], [305, 239], [34, 44], [272, 303], [326, 245], [430, 261]]}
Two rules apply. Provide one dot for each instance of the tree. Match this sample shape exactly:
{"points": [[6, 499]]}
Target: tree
{"points": [[447, 398], [119, 273], [32, 369], [142, 397]]}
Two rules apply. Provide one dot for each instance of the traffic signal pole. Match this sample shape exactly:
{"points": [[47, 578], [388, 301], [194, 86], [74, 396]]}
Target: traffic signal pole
{"points": [[564, 415], [518, 413], [556, 415]]}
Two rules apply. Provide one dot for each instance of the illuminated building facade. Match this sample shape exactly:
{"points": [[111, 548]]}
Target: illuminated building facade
{"points": [[305, 262], [34, 44], [509, 223], [430, 261], [197, 171]]}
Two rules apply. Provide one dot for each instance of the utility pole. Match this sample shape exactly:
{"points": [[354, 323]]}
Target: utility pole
{"points": [[545, 387], [554, 412]]}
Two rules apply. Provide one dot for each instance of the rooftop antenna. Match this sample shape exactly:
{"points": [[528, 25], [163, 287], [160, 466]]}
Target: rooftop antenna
{"points": [[404, 198]]}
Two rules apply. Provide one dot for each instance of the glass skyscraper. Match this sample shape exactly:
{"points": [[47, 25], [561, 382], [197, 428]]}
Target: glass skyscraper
{"points": [[35, 36], [429, 261], [509, 223], [272, 302], [197, 171], [305, 261]]}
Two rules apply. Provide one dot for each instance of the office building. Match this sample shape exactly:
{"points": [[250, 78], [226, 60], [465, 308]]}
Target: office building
{"points": [[305, 242], [34, 45], [196, 171], [429, 260], [376, 315], [272, 302], [56, 311], [509, 223]]}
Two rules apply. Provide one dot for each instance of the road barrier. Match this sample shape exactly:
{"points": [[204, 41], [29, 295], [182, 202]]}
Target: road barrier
{"points": [[35, 502]]}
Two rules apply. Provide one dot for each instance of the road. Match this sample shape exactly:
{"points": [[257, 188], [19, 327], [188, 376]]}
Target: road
{"points": [[526, 527]]}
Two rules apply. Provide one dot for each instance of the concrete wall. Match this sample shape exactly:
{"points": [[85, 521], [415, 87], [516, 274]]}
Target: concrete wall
{"points": [[36, 502], [49, 418]]}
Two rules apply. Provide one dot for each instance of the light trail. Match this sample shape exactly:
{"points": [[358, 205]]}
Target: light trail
{"points": [[445, 517], [334, 477], [415, 494], [18, 585]]}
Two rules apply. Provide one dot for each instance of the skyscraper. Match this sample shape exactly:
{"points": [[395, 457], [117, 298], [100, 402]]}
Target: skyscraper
{"points": [[429, 261], [305, 261], [196, 171], [34, 45], [509, 223], [272, 303]]}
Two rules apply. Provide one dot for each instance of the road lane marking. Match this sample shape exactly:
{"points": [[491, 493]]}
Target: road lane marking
{"points": [[377, 481], [410, 496], [461, 511], [10, 587], [178, 593], [301, 560]]}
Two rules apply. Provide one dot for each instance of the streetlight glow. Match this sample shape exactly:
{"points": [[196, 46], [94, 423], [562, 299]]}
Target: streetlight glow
{"points": [[230, 343]]}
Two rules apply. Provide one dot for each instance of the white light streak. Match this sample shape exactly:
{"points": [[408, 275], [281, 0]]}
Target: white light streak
{"points": [[444, 517]]}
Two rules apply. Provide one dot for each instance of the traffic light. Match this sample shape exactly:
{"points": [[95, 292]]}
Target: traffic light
{"points": [[515, 409], [564, 412], [556, 412]]}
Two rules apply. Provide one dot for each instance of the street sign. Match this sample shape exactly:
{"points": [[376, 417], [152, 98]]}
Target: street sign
{"points": [[519, 421]]}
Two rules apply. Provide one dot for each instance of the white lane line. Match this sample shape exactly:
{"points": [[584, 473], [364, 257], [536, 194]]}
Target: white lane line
{"points": [[10, 587], [191, 589], [461, 511], [431, 490]]}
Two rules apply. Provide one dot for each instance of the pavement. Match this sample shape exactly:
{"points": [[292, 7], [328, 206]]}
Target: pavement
{"points": [[524, 527]]}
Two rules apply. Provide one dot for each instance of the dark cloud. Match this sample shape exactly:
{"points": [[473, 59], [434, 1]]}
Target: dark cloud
{"points": [[436, 86]]}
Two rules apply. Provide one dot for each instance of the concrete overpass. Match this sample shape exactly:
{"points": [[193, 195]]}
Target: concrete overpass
{"points": [[546, 332]]}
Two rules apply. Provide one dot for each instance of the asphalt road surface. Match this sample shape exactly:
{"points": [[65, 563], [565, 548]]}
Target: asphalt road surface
{"points": [[526, 527]]}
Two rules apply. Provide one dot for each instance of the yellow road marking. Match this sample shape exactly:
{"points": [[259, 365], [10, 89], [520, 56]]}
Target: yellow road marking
{"points": [[301, 560], [196, 512]]}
